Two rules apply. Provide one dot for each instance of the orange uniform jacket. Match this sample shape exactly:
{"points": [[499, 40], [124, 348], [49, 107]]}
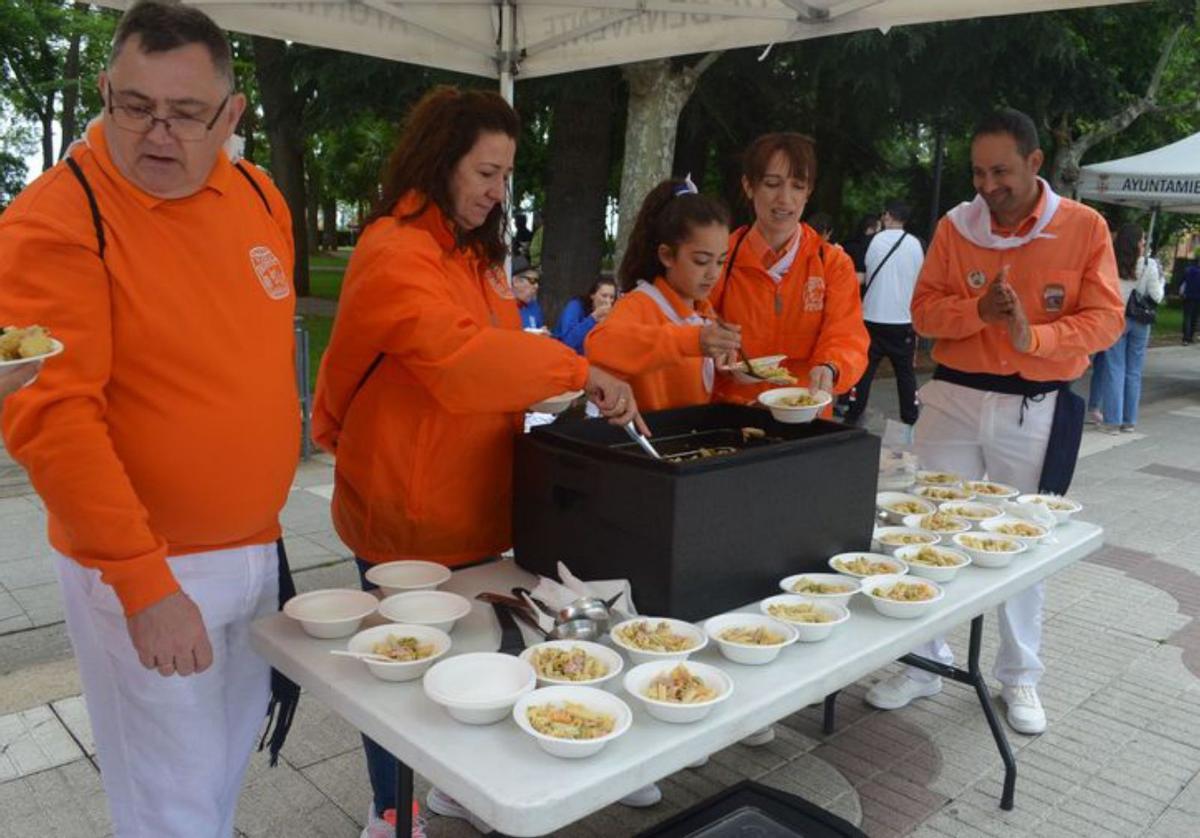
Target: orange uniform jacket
{"points": [[169, 425], [1066, 283], [425, 443], [813, 315], [661, 359]]}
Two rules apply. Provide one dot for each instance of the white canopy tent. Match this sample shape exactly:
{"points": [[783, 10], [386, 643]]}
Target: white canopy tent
{"points": [[1167, 178], [502, 39]]}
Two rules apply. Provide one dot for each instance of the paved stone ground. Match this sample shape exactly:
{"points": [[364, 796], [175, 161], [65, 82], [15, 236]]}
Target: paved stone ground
{"points": [[1122, 687]]}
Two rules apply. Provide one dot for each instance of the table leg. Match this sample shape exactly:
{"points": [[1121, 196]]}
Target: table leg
{"points": [[830, 712], [972, 677], [989, 712], [404, 800]]}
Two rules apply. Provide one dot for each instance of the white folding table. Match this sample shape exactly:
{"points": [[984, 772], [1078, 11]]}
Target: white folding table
{"points": [[501, 775]]}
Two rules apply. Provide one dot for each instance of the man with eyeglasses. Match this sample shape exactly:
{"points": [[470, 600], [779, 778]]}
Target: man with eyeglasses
{"points": [[164, 439]]}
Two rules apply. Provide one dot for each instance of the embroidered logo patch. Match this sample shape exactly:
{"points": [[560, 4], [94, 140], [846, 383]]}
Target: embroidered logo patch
{"points": [[814, 294], [270, 273], [977, 279], [1053, 297]]}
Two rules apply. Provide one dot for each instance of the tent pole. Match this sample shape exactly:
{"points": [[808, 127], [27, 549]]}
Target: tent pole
{"points": [[507, 54], [1150, 235], [507, 58]]}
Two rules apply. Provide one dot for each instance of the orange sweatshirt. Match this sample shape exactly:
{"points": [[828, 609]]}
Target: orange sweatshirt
{"points": [[660, 358], [813, 315], [169, 425], [1067, 285], [424, 441]]}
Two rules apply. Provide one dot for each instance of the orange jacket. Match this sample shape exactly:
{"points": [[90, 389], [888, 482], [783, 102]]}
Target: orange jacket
{"points": [[424, 441], [169, 424], [1067, 285], [813, 315], [661, 359]]}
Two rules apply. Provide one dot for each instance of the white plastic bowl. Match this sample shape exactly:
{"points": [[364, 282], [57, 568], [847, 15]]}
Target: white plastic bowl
{"points": [[936, 574], [590, 697], [440, 609], [988, 490], [885, 500], [901, 610], [788, 586], [556, 404], [334, 612], [366, 639], [916, 522], [741, 377], [1061, 515], [942, 494], [746, 653], [988, 558], [995, 524], [929, 477], [894, 565], [793, 415], [807, 632], [407, 575], [56, 348], [479, 688], [976, 513], [877, 539], [607, 656], [648, 656], [638, 679]]}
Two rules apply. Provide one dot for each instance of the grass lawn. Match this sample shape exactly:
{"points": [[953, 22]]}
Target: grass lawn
{"points": [[1168, 328], [325, 274]]}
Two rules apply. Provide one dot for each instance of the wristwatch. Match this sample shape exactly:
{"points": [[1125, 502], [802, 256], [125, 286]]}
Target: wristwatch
{"points": [[832, 369]]}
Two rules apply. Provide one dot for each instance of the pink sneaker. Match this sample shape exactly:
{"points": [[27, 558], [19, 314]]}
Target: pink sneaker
{"points": [[385, 827]]}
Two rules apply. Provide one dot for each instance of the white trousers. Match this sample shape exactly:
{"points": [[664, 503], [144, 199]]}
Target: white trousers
{"points": [[173, 751], [979, 434]]}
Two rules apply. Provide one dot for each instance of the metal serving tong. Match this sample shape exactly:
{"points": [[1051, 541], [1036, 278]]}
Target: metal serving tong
{"points": [[637, 437]]}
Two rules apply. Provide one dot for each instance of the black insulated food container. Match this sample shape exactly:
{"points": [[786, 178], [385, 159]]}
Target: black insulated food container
{"points": [[702, 536]]}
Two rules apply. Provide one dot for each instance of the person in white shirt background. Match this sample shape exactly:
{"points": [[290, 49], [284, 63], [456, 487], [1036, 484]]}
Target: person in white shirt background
{"points": [[1119, 377], [893, 262]]}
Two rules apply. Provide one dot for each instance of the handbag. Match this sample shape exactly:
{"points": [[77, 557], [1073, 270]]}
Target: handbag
{"points": [[1141, 309]]}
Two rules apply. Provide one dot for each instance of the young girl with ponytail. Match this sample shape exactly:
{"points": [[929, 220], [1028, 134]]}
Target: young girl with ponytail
{"points": [[663, 335]]}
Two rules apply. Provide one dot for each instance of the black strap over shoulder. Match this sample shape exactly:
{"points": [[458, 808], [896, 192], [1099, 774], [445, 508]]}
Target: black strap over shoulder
{"points": [[97, 222], [879, 267], [262, 195]]}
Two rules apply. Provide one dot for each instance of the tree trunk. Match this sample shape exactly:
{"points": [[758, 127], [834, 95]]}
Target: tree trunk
{"points": [[577, 187], [657, 94], [329, 221], [313, 210], [281, 117], [70, 89], [1069, 151], [46, 118]]}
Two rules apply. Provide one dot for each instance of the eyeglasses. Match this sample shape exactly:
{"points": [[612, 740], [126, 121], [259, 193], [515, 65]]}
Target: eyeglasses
{"points": [[141, 120]]}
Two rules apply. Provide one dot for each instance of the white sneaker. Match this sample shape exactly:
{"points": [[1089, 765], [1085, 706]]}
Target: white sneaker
{"points": [[700, 763], [644, 797], [378, 827], [897, 691], [1025, 713], [760, 737], [443, 804]]}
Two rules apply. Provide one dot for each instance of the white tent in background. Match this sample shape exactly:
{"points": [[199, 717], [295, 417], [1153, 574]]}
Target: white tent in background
{"points": [[1164, 180], [502, 39], [1167, 178]]}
